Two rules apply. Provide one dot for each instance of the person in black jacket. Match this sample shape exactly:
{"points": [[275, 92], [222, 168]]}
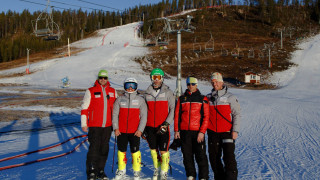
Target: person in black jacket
{"points": [[190, 124]]}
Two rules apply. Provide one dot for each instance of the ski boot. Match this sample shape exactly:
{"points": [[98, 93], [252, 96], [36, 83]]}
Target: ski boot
{"points": [[102, 175], [91, 173], [191, 178], [165, 158], [122, 162], [136, 164]]}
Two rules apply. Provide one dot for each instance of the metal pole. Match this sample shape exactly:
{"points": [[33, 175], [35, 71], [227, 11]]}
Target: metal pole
{"points": [[281, 38], [28, 65], [179, 89], [269, 58], [68, 48]]}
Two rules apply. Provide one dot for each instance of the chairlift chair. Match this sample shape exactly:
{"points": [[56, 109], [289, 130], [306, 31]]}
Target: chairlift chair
{"points": [[261, 54], [235, 52], [209, 46], [251, 53], [44, 26], [224, 52], [196, 46]]}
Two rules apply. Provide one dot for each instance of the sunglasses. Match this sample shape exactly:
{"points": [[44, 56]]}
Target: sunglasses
{"points": [[129, 85], [154, 77], [106, 78], [191, 84]]}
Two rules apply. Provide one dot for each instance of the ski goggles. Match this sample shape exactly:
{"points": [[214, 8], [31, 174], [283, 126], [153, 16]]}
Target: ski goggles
{"points": [[155, 77], [129, 85], [106, 78]]}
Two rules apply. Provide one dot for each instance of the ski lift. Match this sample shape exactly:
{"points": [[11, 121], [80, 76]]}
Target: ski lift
{"points": [[235, 52], [44, 26], [251, 53], [209, 46], [224, 52], [196, 46], [151, 37], [162, 39], [261, 54]]}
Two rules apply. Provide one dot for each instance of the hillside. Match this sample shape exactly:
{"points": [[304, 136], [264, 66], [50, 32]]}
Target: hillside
{"points": [[236, 30]]}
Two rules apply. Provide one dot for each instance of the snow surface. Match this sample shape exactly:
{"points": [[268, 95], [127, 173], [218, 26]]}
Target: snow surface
{"points": [[279, 136]]}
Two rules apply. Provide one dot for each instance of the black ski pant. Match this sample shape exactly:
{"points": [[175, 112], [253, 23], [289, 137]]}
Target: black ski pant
{"points": [[192, 149], [124, 138], [219, 143], [156, 140], [97, 155]]}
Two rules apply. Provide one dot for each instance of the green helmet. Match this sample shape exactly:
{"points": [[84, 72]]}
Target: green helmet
{"points": [[103, 73], [157, 71]]}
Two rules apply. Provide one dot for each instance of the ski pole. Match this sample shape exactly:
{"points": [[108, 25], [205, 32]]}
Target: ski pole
{"points": [[114, 150]]}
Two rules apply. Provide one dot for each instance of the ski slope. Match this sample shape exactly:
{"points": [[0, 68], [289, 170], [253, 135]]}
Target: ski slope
{"points": [[279, 136]]}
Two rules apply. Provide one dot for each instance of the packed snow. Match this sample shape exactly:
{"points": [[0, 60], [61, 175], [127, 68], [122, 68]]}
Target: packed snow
{"points": [[279, 136]]}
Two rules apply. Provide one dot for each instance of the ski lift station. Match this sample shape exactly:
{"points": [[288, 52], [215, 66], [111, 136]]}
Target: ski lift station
{"points": [[252, 78]]}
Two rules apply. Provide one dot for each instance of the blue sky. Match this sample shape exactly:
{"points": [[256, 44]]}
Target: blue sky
{"points": [[34, 5]]}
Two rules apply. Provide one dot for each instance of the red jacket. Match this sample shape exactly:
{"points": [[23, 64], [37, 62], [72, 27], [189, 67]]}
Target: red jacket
{"points": [[192, 112], [98, 105], [160, 107], [129, 113]]}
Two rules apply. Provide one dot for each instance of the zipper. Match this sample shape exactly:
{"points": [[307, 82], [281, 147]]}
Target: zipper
{"points": [[154, 113], [128, 114], [189, 116]]}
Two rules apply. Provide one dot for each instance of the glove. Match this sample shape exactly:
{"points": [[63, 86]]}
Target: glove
{"points": [[163, 128]]}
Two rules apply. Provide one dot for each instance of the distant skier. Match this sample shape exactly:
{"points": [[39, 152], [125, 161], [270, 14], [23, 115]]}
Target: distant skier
{"points": [[161, 103], [223, 129], [129, 120], [190, 125], [96, 116]]}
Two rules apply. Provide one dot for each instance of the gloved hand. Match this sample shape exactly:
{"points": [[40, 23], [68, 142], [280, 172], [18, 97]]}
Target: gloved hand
{"points": [[163, 128]]}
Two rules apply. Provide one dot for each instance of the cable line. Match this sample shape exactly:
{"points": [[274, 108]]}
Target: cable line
{"points": [[100, 5]]}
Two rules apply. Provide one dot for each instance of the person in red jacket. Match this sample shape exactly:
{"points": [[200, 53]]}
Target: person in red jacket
{"points": [[223, 129], [190, 125], [161, 103], [129, 120], [96, 116]]}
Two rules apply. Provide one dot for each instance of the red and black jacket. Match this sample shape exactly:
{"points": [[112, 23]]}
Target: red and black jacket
{"points": [[192, 112]]}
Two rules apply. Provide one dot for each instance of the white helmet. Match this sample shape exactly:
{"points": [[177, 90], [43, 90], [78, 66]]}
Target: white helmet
{"points": [[130, 82]]}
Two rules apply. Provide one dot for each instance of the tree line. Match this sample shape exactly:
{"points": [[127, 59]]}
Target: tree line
{"points": [[16, 29]]}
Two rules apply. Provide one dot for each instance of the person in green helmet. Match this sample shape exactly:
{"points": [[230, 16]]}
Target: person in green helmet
{"points": [[96, 119], [161, 104]]}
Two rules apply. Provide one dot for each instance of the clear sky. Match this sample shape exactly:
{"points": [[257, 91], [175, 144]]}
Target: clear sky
{"points": [[106, 5]]}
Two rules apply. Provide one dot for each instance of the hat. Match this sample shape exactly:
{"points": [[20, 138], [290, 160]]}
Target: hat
{"points": [[175, 144], [103, 73], [217, 76], [191, 80]]}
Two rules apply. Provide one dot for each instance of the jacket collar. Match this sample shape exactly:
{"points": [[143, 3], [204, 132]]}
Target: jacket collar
{"points": [[219, 92], [150, 88], [96, 83], [188, 93], [131, 95]]}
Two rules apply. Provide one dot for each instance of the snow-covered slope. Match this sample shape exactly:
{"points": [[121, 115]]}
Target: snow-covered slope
{"points": [[279, 136]]}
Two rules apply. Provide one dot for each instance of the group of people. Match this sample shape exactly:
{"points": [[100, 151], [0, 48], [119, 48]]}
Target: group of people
{"points": [[133, 116]]}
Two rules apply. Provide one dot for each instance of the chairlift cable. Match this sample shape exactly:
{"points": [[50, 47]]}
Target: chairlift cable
{"points": [[100, 5], [78, 6], [43, 4]]}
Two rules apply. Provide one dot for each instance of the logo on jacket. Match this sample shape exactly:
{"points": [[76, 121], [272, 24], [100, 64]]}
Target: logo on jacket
{"points": [[97, 94], [135, 102], [111, 94]]}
